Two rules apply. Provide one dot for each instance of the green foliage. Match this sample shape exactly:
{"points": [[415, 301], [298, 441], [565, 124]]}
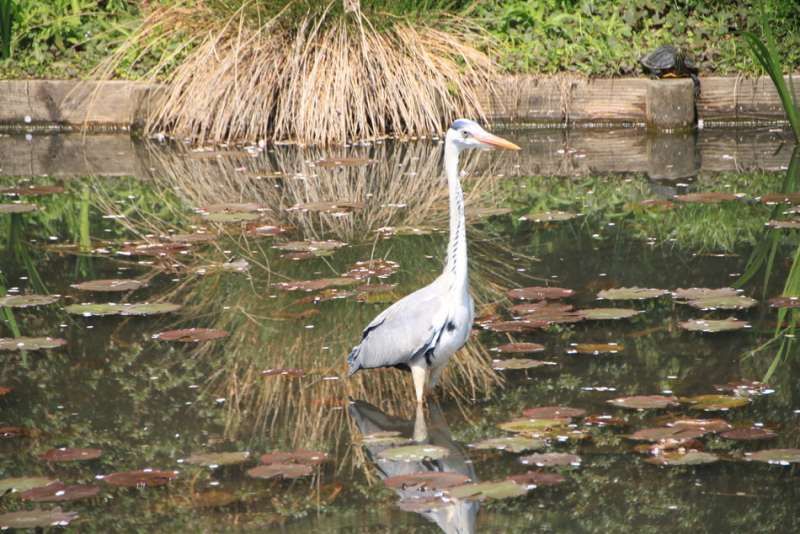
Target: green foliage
{"points": [[608, 37], [6, 25]]}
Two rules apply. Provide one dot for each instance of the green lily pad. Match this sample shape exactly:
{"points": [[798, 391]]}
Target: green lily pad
{"points": [[20, 484], [520, 426], [519, 348], [299, 456], [715, 403], [595, 348], [67, 454], [549, 216], [551, 459], [215, 459], [280, 470], [36, 518], [644, 402], [502, 489], [426, 481], [17, 208], [27, 301], [738, 302], [510, 444], [109, 285], [100, 310], [666, 433], [59, 492], [679, 458], [749, 434], [413, 453], [518, 363], [539, 293], [697, 293], [607, 314], [631, 293], [31, 343], [553, 412], [714, 325], [232, 216], [775, 456]]}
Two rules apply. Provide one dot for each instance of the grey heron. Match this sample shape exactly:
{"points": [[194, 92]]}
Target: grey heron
{"points": [[421, 331]]}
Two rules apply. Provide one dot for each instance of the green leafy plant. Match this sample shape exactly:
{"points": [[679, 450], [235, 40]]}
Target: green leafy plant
{"points": [[6, 26]]}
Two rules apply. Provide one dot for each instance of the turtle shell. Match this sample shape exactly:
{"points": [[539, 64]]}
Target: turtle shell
{"points": [[667, 59]]}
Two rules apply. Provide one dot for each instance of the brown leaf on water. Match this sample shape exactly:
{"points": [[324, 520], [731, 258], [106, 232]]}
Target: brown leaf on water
{"points": [[427, 481], [142, 478], [191, 335], [280, 470], [781, 198], [539, 293], [516, 348], [645, 402], [58, 491], [673, 434], [299, 456], [541, 307], [537, 478], [69, 454], [706, 425], [379, 268], [749, 434], [7, 432]]}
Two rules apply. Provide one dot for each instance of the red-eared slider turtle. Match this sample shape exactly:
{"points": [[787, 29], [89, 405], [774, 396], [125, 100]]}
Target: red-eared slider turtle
{"points": [[669, 62]]}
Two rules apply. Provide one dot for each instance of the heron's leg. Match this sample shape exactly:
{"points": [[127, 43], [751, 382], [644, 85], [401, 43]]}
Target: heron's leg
{"points": [[420, 428], [420, 375], [436, 373]]}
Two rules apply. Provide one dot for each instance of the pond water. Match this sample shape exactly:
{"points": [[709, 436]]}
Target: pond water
{"points": [[226, 235]]}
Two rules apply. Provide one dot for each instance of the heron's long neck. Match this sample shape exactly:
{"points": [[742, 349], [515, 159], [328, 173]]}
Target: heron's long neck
{"points": [[457, 247]]}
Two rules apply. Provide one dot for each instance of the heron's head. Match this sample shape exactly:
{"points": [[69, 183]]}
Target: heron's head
{"points": [[465, 134]]}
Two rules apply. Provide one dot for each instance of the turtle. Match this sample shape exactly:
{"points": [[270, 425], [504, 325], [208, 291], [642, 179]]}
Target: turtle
{"points": [[667, 61]]}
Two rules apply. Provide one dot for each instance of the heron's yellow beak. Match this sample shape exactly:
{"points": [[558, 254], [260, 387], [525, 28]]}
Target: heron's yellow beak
{"points": [[494, 141]]}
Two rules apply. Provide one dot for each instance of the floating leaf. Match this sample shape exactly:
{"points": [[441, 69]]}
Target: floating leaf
{"points": [[714, 403], [59, 492], [329, 163], [502, 489], [413, 453], [644, 402], [99, 310], [518, 363], [232, 216], [153, 249], [781, 198], [603, 420], [519, 326], [214, 459], [145, 478], [607, 314], [17, 208], [519, 348], [697, 293], [666, 433], [16, 432], [749, 434], [481, 213], [109, 285], [542, 307], [537, 478], [265, 230], [553, 412], [738, 302], [775, 456], [314, 247], [197, 237], [426, 481], [315, 285], [549, 459], [711, 197], [67, 454], [631, 293], [529, 425], [595, 348], [280, 470], [785, 302], [539, 293], [510, 444], [191, 335], [20, 484], [714, 325], [299, 456], [32, 190], [750, 388], [551, 313], [706, 425], [366, 269], [680, 458], [790, 224], [31, 343], [549, 216], [27, 301], [36, 518]]}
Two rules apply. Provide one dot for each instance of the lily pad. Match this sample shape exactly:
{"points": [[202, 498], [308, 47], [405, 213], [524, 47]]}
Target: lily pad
{"points": [[265, 230], [316, 248], [549, 216], [31, 343], [785, 302], [706, 425], [738, 302], [214, 459], [537, 478], [145, 478], [551, 459], [232, 216], [518, 326], [749, 434], [714, 325], [542, 307], [502, 489], [378, 268], [426, 481], [711, 197], [790, 224], [539, 293], [680, 458], [27, 301], [109, 285], [644, 402], [315, 285], [530, 425], [100, 310], [36, 518], [697, 293], [68, 454], [595, 348], [666, 433], [300, 456], [20, 484], [413, 453], [553, 412], [781, 198], [518, 363], [17, 208], [775, 456], [516, 348], [191, 335], [59, 492], [715, 403], [510, 444], [603, 420], [552, 315], [280, 470], [608, 314], [631, 293]]}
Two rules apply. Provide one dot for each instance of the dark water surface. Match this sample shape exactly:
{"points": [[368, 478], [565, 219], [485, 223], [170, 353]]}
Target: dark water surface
{"points": [[276, 380]]}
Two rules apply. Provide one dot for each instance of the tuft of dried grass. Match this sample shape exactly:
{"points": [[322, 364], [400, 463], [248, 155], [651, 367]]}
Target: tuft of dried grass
{"points": [[327, 77]]}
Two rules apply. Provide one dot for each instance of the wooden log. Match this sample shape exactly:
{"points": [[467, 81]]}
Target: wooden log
{"points": [[669, 104], [733, 99]]}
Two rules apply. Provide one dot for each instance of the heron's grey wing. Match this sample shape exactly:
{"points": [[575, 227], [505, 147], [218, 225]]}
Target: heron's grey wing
{"points": [[405, 329]]}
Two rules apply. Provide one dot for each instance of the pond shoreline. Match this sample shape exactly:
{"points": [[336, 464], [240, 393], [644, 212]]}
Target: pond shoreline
{"points": [[666, 104]]}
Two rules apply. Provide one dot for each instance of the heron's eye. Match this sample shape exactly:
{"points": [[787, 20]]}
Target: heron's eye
{"points": [[465, 134]]}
